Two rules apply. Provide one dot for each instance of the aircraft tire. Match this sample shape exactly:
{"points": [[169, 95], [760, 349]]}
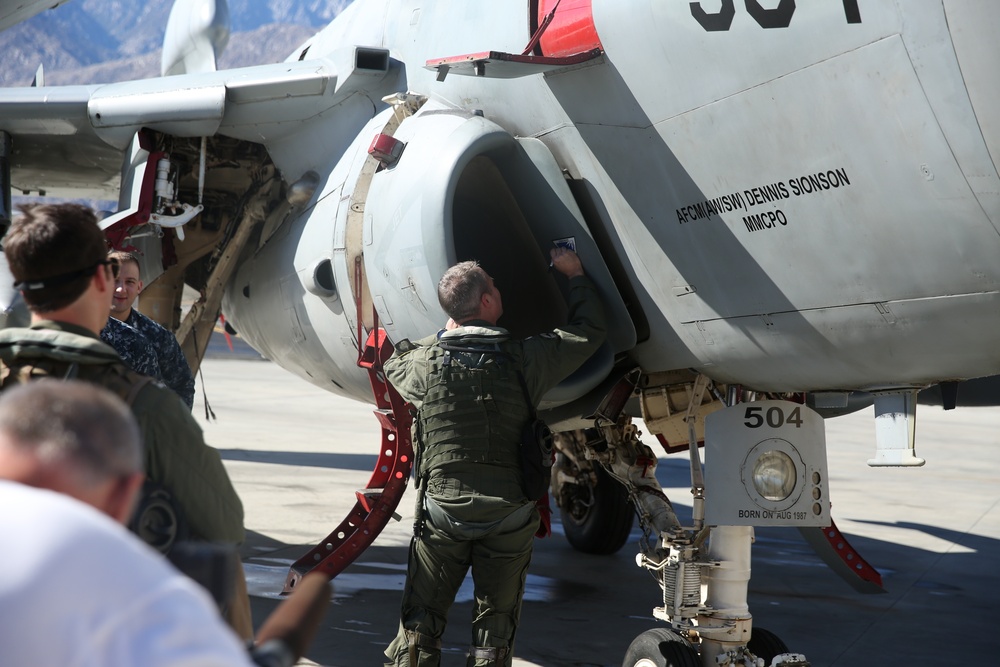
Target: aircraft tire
{"points": [[765, 644], [597, 519], [660, 647]]}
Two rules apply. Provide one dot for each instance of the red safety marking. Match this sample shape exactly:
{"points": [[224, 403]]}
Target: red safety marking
{"points": [[673, 449], [378, 501], [386, 149], [571, 29], [646, 464], [118, 233]]}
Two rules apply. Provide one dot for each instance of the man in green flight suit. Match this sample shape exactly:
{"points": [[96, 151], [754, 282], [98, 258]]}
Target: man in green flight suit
{"points": [[469, 385], [59, 257]]}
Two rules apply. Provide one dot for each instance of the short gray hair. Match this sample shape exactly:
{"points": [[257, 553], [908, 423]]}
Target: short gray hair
{"points": [[461, 288], [75, 422]]}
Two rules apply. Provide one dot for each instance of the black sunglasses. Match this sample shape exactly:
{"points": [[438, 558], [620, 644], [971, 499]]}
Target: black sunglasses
{"points": [[64, 278], [116, 266]]}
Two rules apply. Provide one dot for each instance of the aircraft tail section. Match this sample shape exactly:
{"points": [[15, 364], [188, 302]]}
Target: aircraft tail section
{"points": [[197, 33]]}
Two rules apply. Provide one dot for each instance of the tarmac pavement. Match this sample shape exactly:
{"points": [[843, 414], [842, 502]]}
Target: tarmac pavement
{"points": [[297, 455]]}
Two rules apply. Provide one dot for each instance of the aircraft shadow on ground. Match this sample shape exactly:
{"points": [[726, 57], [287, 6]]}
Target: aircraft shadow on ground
{"points": [[792, 593], [307, 459], [673, 472], [670, 473]]}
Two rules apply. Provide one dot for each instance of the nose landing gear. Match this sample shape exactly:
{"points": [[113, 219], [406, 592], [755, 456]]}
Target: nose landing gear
{"points": [[704, 569]]}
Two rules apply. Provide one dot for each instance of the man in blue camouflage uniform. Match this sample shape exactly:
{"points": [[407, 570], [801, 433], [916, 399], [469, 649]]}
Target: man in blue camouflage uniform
{"points": [[173, 366], [134, 348], [471, 385]]}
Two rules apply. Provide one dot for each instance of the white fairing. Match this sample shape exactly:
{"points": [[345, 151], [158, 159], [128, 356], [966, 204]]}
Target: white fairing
{"points": [[311, 333]]}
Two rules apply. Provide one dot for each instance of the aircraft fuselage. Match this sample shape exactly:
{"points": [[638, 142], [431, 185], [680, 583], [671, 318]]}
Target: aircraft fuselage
{"points": [[799, 198]]}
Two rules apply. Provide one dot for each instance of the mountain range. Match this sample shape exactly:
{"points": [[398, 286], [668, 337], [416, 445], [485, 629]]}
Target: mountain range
{"points": [[101, 41]]}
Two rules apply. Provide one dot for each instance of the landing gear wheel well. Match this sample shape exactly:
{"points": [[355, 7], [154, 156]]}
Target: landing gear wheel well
{"points": [[598, 518]]}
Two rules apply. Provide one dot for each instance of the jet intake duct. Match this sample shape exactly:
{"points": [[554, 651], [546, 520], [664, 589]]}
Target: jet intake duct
{"points": [[463, 188]]}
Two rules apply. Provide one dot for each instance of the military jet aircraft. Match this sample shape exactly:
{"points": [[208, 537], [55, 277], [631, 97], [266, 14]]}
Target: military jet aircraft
{"points": [[783, 204]]}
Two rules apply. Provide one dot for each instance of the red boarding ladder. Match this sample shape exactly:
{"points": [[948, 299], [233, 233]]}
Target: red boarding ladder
{"points": [[832, 546], [376, 502]]}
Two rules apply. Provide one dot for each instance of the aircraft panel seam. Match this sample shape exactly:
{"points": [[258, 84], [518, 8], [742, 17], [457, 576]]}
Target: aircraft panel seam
{"points": [[814, 309]]}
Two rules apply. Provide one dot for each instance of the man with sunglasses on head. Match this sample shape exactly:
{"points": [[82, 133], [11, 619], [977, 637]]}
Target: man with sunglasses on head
{"points": [[58, 257]]}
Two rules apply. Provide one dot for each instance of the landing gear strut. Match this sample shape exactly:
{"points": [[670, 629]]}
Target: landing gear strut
{"points": [[714, 629]]}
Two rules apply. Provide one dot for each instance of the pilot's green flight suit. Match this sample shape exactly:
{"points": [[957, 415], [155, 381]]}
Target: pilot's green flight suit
{"points": [[471, 410]]}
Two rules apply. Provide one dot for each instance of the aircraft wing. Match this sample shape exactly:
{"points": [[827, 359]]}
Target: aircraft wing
{"points": [[13, 12], [68, 141]]}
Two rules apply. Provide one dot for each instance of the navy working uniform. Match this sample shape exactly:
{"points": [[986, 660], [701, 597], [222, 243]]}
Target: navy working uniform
{"points": [[471, 409], [173, 366], [134, 348]]}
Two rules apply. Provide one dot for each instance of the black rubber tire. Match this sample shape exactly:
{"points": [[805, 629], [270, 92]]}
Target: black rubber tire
{"points": [[660, 647], [600, 517], [765, 644]]}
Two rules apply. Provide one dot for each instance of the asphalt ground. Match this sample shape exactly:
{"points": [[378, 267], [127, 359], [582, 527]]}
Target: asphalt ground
{"points": [[297, 455]]}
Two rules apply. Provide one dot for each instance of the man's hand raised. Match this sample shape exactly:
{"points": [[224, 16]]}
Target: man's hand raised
{"points": [[566, 262]]}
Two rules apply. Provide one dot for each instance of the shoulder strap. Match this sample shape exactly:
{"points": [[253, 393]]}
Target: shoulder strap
{"points": [[118, 380], [121, 381], [136, 387], [483, 349], [18, 373]]}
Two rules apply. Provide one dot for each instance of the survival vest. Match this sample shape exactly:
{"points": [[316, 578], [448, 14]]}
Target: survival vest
{"points": [[474, 409]]}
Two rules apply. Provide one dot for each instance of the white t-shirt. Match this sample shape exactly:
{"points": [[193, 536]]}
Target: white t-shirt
{"points": [[79, 590]]}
